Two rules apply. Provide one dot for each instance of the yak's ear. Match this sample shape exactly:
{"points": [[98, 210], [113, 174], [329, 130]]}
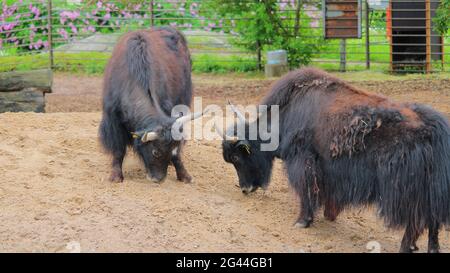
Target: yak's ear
{"points": [[149, 136]]}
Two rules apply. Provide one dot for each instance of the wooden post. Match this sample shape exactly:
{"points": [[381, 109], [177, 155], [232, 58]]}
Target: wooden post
{"points": [[428, 35], [367, 36], [442, 53], [343, 56], [391, 65], [152, 18], [49, 34]]}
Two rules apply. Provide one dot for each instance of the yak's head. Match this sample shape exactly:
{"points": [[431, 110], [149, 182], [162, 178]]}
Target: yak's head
{"points": [[252, 165], [156, 145]]}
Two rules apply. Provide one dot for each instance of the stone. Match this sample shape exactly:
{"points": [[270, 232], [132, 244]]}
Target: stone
{"points": [[276, 70], [26, 100], [20, 80]]}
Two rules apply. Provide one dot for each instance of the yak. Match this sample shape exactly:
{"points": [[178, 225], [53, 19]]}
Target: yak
{"points": [[343, 147], [148, 74]]}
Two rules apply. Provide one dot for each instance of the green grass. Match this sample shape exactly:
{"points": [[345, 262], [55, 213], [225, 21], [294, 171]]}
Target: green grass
{"points": [[89, 63], [95, 62], [237, 66], [223, 63]]}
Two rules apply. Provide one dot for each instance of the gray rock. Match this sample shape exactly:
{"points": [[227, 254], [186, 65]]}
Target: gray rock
{"points": [[26, 100]]}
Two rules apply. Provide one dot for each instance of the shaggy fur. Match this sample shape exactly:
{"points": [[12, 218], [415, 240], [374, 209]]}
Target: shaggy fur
{"points": [[149, 73], [344, 147]]}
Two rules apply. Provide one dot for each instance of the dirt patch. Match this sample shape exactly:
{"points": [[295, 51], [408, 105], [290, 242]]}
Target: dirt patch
{"points": [[83, 93], [54, 191]]}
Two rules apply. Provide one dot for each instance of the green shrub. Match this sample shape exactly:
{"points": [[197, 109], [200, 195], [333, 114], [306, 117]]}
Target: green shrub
{"points": [[442, 19]]}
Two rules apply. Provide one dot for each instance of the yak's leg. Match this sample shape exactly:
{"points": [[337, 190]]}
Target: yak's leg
{"points": [[409, 240], [331, 211], [116, 173], [303, 177], [182, 174], [307, 211], [114, 138], [433, 238]]}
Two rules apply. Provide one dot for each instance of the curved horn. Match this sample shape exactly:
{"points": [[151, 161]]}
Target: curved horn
{"points": [[225, 136], [238, 113], [149, 136]]}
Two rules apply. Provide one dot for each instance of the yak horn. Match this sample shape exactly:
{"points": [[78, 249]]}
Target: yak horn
{"points": [[225, 136], [240, 116], [149, 136]]}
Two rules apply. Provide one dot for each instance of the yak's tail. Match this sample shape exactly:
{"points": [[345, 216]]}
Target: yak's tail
{"points": [[113, 136], [138, 59]]}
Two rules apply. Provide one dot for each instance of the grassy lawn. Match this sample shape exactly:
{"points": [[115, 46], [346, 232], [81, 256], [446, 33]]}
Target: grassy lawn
{"points": [[231, 65], [95, 62]]}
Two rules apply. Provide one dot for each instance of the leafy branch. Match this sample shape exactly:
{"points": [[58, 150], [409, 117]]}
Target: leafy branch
{"points": [[442, 19]]}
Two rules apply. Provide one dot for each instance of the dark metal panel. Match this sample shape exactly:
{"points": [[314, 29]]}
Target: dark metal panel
{"points": [[414, 43]]}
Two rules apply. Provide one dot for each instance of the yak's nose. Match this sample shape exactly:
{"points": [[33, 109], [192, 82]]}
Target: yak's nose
{"points": [[156, 178]]}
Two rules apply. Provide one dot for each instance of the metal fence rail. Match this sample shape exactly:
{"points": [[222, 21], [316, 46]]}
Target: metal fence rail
{"points": [[396, 35]]}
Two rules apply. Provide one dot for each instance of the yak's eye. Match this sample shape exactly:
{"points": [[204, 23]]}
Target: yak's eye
{"points": [[235, 158], [156, 153]]}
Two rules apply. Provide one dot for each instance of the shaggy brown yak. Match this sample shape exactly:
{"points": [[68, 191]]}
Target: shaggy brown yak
{"points": [[148, 74], [345, 147]]}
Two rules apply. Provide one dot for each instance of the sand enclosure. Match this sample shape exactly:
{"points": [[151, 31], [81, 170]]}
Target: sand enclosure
{"points": [[55, 193]]}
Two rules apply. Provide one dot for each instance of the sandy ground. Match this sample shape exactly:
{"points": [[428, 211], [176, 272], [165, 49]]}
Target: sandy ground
{"points": [[55, 196]]}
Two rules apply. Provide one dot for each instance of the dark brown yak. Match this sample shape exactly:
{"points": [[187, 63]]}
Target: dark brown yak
{"points": [[148, 74], [344, 147]]}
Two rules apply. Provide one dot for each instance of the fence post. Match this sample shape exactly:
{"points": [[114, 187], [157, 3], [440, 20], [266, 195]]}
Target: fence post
{"points": [[50, 35], [343, 56], [152, 19], [428, 35], [367, 36]]}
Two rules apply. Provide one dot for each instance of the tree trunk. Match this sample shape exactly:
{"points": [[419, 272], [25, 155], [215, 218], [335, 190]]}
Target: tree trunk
{"points": [[297, 17], [259, 55]]}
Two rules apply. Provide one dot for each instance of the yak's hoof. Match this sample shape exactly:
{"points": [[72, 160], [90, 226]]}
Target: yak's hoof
{"points": [[303, 223], [405, 250], [116, 178], [410, 249], [433, 250], [186, 178]]}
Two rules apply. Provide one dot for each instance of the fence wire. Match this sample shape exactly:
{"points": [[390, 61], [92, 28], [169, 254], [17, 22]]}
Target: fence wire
{"points": [[396, 35]]}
